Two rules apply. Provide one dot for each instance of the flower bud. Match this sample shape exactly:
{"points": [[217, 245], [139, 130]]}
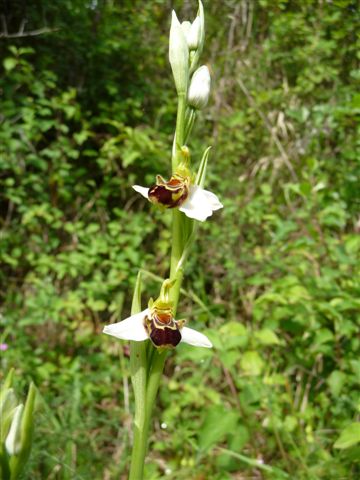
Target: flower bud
{"points": [[16, 428], [13, 439], [199, 90], [194, 34], [179, 55], [186, 27]]}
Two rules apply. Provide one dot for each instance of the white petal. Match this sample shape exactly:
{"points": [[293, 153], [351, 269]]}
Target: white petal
{"points": [[213, 200], [192, 337], [142, 190], [131, 328], [200, 204]]}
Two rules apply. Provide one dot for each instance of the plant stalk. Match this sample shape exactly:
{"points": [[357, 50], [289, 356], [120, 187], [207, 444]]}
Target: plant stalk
{"points": [[146, 385]]}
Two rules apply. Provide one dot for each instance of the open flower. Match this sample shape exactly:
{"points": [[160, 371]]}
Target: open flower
{"points": [[192, 200], [157, 324]]}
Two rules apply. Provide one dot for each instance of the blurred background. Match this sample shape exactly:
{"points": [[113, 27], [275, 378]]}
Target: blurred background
{"points": [[87, 109]]}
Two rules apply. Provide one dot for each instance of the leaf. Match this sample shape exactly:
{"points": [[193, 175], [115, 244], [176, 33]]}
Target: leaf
{"points": [[234, 335], [336, 382], [349, 436], [252, 363], [267, 337], [9, 63], [217, 424]]}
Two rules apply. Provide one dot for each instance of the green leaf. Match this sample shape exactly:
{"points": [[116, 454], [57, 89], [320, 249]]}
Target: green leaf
{"points": [[336, 382], [217, 424], [267, 337], [349, 436], [234, 335], [9, 63], [252, 363]]}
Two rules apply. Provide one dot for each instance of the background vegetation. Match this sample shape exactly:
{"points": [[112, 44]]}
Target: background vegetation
{"points": [[87, 109]]}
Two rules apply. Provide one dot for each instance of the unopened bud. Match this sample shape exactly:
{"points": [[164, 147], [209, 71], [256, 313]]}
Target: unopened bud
{"points": [[179, 55], [199, 90], [13, 439], [186, 26], [194, 34]]}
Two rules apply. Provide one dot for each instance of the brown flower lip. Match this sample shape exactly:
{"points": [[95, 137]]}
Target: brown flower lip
{"points": [[163, 330], [170, 194]]}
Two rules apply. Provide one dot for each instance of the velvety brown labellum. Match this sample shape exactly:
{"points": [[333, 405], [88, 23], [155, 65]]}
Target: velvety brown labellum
{"points": [[170, 194], [166, 338], [163, 330]]}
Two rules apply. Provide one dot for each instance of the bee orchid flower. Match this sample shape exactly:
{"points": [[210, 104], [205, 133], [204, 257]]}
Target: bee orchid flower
{"points": [[157, 324], [194, 201]]}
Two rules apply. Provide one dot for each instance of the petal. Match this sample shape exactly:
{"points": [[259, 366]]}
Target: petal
{"points": [[192, 337], [200, 204], [131, 328], [213, 200], [142, 190]]}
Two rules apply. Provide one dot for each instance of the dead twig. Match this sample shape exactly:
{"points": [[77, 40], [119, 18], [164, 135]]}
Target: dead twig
{"points": [[32, 33], [21, 32]]}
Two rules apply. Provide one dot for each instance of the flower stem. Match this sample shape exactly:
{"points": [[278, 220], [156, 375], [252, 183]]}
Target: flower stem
{"points": [[138, 376], [146, 384], [138, 369], [180, 130], [139, 448]]}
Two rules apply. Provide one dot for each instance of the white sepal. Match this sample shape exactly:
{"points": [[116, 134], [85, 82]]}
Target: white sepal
{"points": [[200, 204], [199, 90], [132, 328], [179, 55], [142, 190], [192, 337]]}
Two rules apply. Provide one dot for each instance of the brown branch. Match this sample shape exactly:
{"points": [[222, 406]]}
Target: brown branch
{"points": [[21, 33], [31, 33]]}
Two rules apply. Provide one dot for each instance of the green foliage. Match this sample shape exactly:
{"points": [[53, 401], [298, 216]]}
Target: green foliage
{"points": [[86, 111]]}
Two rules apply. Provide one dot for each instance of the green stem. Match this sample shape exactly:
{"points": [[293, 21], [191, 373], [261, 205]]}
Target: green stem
{"points": [[138, 369], [190, 120], [157, 368], [146, 384], [138, 375], [176, 253], [180, 130]]}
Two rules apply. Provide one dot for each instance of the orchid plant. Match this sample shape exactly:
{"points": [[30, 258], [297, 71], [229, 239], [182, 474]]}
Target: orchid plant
{"points": [[155, 330]]}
